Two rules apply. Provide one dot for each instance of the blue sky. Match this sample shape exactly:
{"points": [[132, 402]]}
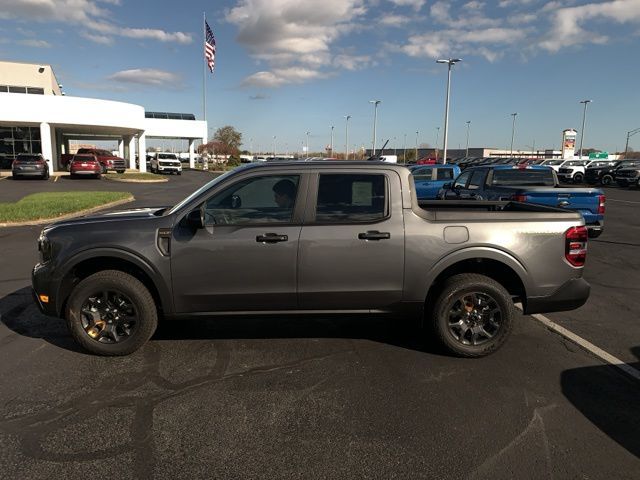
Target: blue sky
{"points": [[285, 67]]}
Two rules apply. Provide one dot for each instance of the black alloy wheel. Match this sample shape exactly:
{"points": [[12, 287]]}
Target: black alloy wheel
{"points": [[577, 178], [473, 315], [111, 313]]}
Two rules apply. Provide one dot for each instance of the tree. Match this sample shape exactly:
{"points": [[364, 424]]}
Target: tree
{"points": [[229, 137]]}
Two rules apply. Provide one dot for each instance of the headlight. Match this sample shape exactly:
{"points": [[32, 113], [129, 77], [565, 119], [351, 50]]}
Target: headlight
{"points": [[44, 247]]}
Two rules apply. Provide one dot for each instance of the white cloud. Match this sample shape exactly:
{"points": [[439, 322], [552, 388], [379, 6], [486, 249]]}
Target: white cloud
{"points": [[471, 15], [567, 22], [396, 20], [101, 39], [86, 13], [294, 38], [352, 62], [416, 4], [35, 43], [148, 76]]}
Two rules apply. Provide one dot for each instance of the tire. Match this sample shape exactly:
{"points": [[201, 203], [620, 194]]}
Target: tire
{"points": [[594, 233], [578, 178], [98, 176], [179, 173], [120, 171], [104, 169], [72, 176], [485, 291], [606, 180], [122, 290]]}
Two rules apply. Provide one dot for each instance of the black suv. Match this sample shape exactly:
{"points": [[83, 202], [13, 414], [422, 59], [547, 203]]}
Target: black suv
{"points": [[605, 175], [628, 175]]}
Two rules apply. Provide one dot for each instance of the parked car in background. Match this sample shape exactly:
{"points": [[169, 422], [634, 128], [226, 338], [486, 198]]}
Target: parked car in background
{"points": [[605, 174], [529, 184], [429, 179], [555, 164], [166, 162], [107, 160], [628, 175], [30, 165], [85, 166], [572, 171]]}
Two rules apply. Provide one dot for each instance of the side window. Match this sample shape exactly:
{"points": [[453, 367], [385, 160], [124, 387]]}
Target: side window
{"points": [[422, 174], [477, 179], [462, 179], [255, 200], [445, 174], [351, 198]]}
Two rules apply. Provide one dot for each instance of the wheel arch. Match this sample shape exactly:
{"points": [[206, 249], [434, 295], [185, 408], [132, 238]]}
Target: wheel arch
{"points": [[88, 263]]}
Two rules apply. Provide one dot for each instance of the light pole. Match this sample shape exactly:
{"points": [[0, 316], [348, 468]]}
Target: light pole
{"points": [[450, 62], [251, 147], [630, 133], [331, 141], [395, 147], [584, 118], [375, 119], [468, 126], [346, 137], [437, 138], [308, 144], [404, 150], [274, 146], [513, 130], [416, 146]]}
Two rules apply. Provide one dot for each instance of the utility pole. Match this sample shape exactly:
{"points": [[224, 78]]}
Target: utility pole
{"points": [[513, 130], [468, 126], [331, 150], [404, 150], [630, 133], [346, 138], [584, 118], [375, 120], [416, 146]]}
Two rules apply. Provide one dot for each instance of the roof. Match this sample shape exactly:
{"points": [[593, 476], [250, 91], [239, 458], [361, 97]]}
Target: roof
{"points": [[322, 163]]}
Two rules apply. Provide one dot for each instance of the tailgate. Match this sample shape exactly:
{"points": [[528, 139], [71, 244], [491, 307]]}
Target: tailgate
{"points": [[585, 201]]}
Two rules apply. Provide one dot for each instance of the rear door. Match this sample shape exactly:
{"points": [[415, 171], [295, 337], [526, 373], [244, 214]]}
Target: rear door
{"points": [[351, 253]]}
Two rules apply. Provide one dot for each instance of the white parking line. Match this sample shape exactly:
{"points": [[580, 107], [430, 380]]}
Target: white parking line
{"points": [[621, 201], [598, 352]]}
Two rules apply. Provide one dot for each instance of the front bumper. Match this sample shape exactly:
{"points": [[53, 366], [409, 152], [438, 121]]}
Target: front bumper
{"points": [[42, 285], [571, 295]]}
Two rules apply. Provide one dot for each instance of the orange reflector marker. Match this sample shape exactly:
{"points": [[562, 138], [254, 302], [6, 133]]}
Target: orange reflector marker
{"points": [[44, 298]]}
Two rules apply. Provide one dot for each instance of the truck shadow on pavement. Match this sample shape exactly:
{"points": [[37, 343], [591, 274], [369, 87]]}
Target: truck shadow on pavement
{"points": [[616, 412], [19, 313]]}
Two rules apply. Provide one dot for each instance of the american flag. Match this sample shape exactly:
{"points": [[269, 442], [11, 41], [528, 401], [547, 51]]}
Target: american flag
{"points": [[209, 47]]}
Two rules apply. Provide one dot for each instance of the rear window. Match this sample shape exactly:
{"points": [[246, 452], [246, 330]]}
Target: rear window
{"points": [[523, 177], [28, 158], [84, 158], [445, 174], [351, 198]]}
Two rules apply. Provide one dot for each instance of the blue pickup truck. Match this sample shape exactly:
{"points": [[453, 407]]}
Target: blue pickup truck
{"points": [[429, 179], [530, 184]]}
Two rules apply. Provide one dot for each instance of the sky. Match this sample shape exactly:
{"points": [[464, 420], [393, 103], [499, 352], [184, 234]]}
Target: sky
{"points": [[287, 67]]}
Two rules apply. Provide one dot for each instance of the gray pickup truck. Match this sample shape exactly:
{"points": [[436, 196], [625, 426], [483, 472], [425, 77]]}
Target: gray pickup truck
{"points": [[312, 237]]}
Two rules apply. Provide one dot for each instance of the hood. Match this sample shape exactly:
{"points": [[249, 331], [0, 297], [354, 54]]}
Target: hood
{"points": [[117, 216]]}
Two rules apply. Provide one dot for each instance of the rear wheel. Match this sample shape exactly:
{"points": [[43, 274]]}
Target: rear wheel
{"points": [[111, 313], [473, 315], [120, 171], [606, 180]]}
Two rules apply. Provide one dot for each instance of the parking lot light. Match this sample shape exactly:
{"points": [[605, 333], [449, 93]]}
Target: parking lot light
{"points": [[584, 118], [450, 62]]}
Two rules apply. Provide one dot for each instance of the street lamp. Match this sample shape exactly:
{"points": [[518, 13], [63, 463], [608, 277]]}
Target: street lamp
{"points": [[331, 150], [346, 138], [375, 119], [395, 147], [274, 146], [630, 133], [308, 144], [468, 126], [437, 138], [404, 150], [416, 146], [513, 130], [584, 118], [450, 62]]}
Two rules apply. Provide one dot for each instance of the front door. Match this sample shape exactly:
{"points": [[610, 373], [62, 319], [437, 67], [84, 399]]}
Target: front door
{"points": [[245, 257], [352, 243]]}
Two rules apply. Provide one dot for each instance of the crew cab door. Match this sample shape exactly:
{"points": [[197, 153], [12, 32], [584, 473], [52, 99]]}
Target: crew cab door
{"points": [[244, 259], [352, 243]]}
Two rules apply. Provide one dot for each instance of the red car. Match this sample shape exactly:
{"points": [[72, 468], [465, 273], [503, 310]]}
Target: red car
{"points": [[85, 165], [106, 159]]}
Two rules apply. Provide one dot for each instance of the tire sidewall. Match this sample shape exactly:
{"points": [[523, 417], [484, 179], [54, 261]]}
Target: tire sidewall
{"points": [[606, 180], [119, 282]]}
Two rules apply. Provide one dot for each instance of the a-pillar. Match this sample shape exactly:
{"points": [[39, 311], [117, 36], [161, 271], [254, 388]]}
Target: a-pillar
{"points": [[46, 144], [192, 154], [142, 152], [121, 147], [131, 151]]}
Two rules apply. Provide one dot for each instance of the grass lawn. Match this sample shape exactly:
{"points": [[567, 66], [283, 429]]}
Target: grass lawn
{"points": [[55, 204], [133, 176]]}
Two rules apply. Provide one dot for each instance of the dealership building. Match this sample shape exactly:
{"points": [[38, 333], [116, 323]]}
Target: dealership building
{"points": [[37, 117]]}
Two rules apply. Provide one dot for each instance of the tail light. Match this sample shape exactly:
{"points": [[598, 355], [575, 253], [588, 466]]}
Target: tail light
{"points": [[576, 245], [519, 198], [601, 204]]}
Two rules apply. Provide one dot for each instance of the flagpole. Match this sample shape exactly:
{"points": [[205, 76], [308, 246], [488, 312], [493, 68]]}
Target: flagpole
{"points": [[204, 70]]}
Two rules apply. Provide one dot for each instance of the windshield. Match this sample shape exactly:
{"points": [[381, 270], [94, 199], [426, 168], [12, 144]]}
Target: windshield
{"points": [[523, 177], [575, 163], [554, 162], [169, 156], [629, 164], [198, 192]]}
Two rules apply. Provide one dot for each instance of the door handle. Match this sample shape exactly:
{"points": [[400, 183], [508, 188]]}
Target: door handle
{"points": [[374, 235], [271, 238]]}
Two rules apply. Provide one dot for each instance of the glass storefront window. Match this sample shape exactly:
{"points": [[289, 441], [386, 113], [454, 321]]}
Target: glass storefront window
{"points": [[15, 140]]}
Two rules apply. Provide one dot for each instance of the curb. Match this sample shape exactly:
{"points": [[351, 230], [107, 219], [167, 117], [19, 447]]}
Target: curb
{"points": [[132, 180], [44, 221]]}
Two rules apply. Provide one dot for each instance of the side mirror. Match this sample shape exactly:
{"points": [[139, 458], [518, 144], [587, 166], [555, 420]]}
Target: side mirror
{"points": [[236, 201], [195, 218], [447, 186]]}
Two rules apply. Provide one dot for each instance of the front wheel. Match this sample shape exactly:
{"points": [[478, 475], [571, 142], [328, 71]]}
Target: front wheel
{"points": [[606, 180], [111, 313], [473, 315], [577, 178], [120, 171]]}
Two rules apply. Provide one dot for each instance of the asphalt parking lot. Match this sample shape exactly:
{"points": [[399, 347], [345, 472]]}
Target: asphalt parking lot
{"points": [[320, 397]]}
